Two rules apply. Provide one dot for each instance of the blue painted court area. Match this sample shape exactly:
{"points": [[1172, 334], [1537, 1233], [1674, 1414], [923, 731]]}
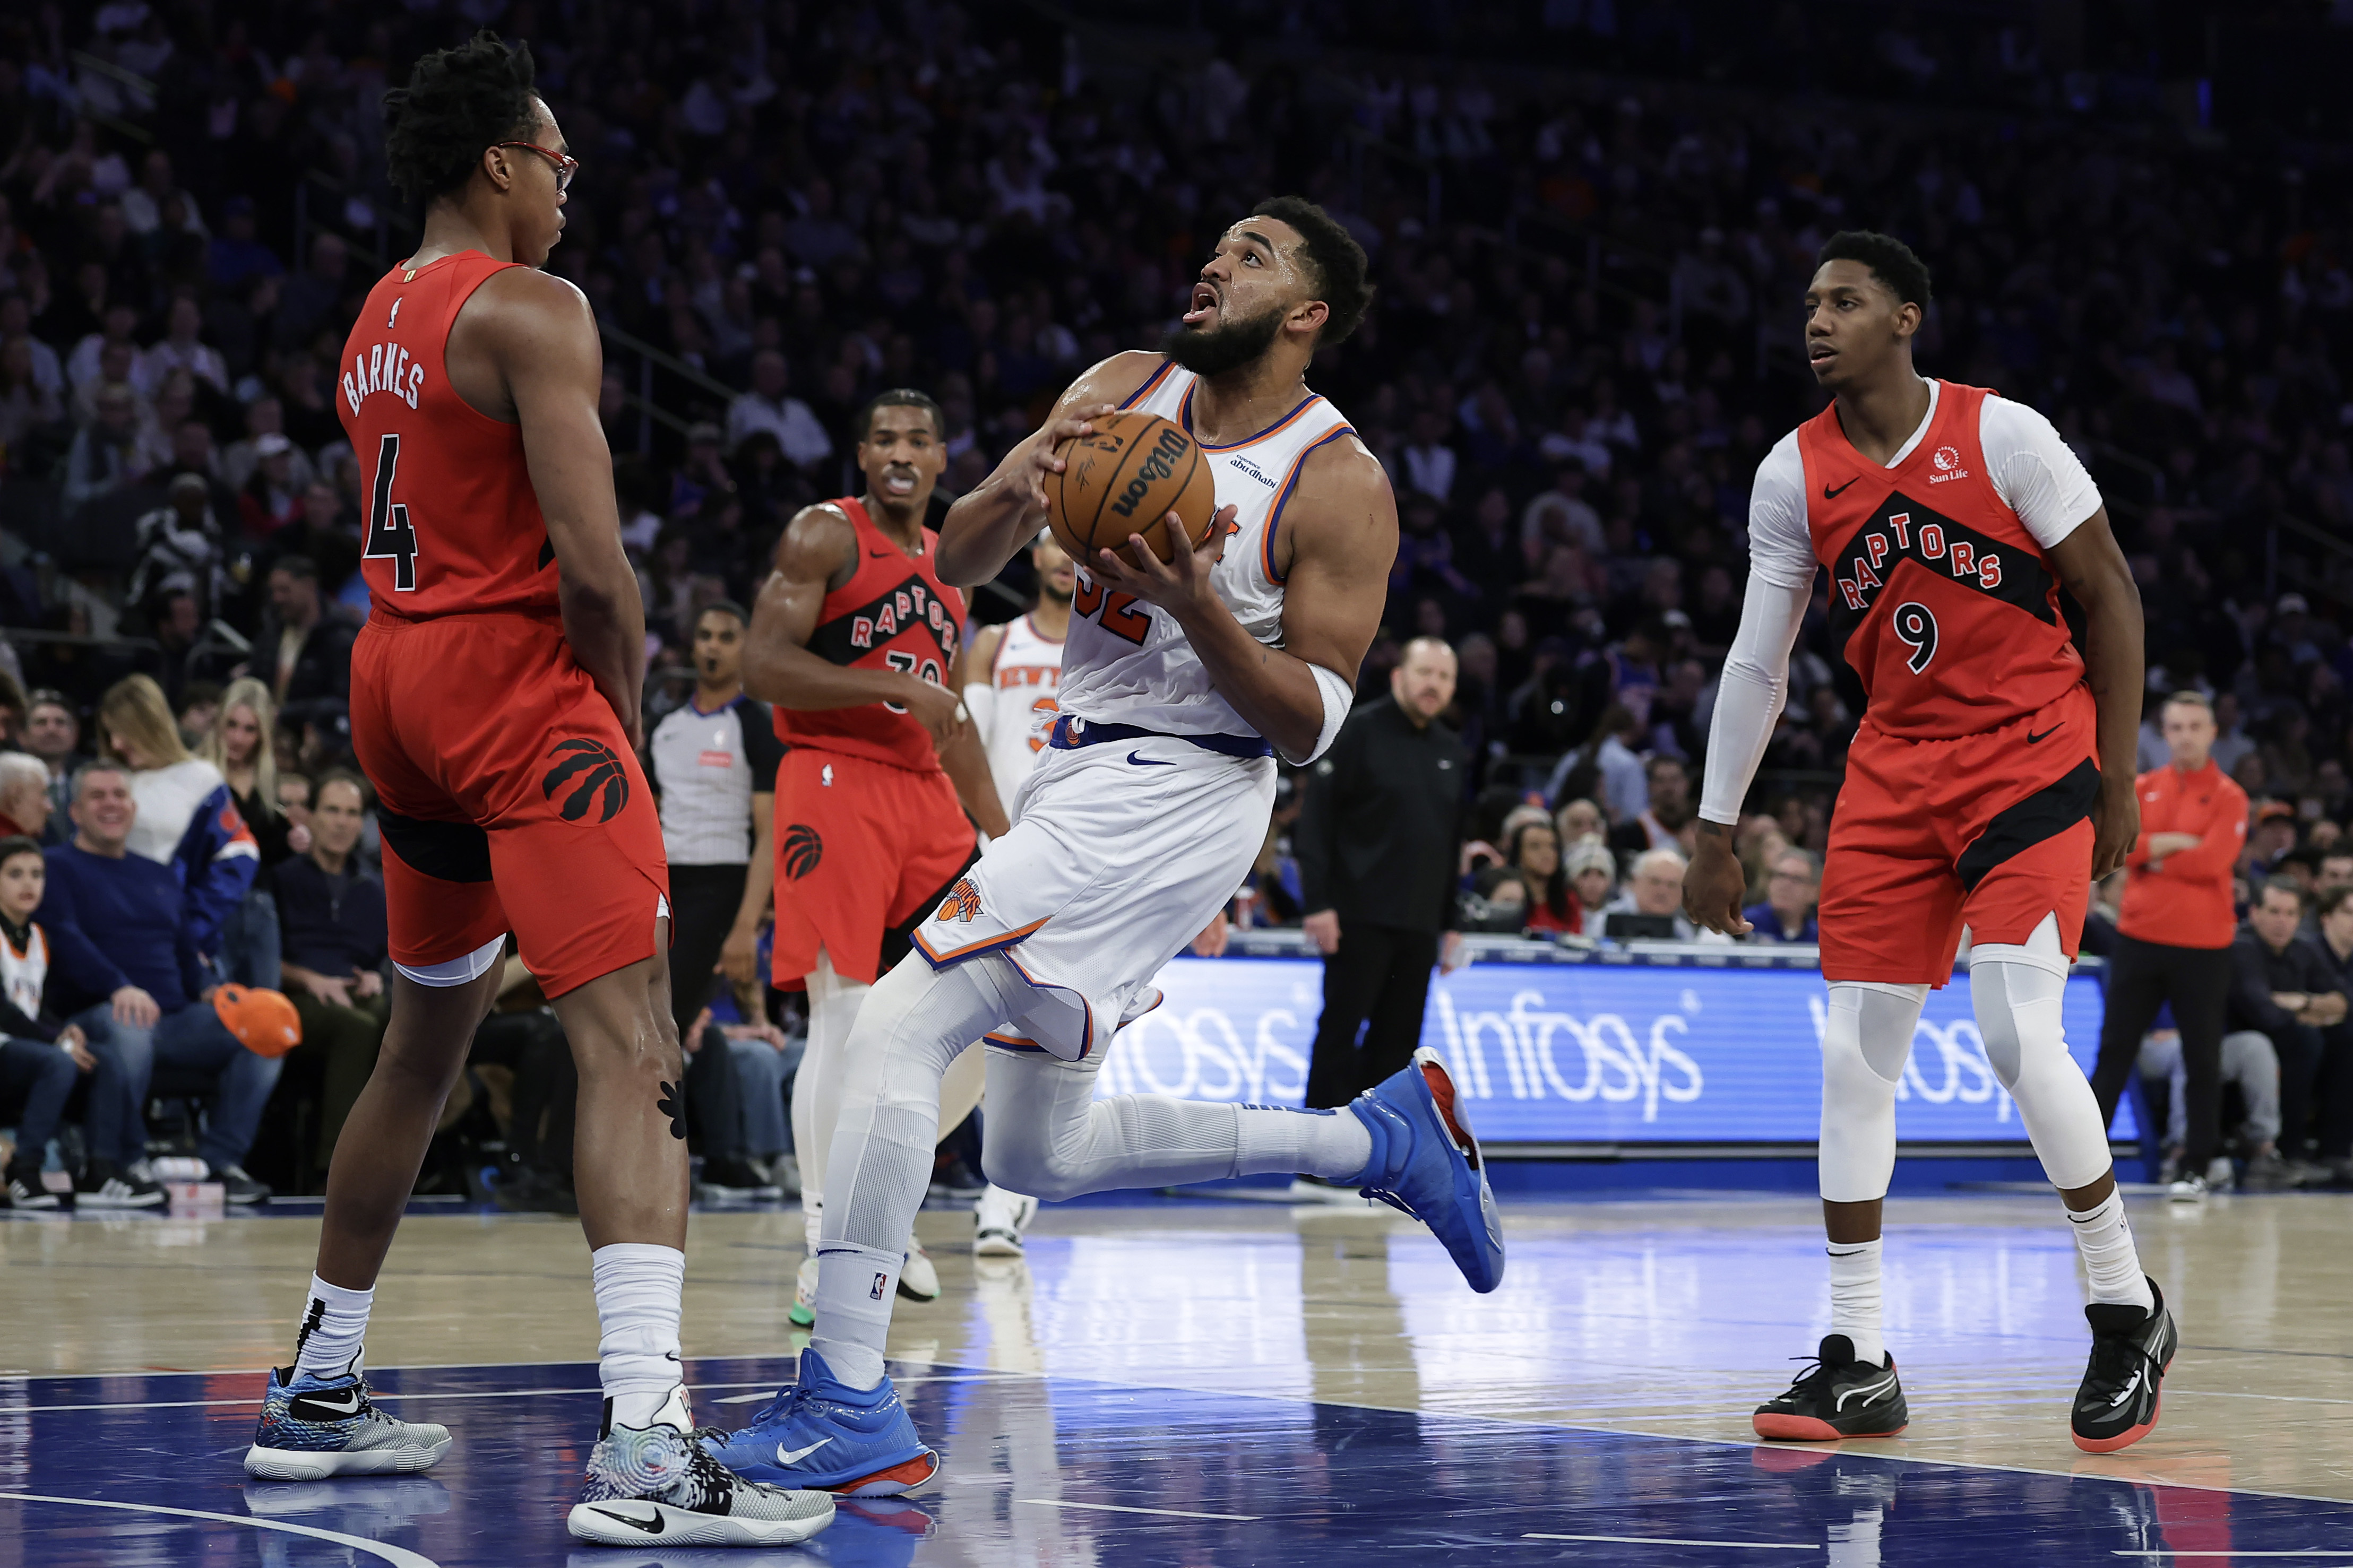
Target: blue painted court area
{"points": [[142, 1470]]}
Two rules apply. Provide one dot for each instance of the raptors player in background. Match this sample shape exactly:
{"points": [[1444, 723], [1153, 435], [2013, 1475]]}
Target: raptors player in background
{"points": [[1180, 680], [495, 706], [859, 646], [1015, 697], [1990, 783]]}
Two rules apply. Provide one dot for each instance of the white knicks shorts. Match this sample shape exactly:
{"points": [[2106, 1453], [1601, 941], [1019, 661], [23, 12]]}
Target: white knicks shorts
{"points": [[1119, 856]]}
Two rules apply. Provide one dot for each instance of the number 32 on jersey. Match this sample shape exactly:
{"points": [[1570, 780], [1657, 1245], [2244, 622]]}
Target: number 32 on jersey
{"points": [[389, 533], [1119, 614]]}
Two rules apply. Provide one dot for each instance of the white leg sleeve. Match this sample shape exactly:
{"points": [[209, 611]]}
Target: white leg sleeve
{"points": [[1864, 1045], [2015, 989], [960, 1091], [817, 1092]]}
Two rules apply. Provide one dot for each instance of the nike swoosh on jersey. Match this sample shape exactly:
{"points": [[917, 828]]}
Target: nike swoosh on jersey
{"points": [[1145, 762], [650, 1526], [795, 1456], [1830, 494], [2032, 738], [879, 554]]}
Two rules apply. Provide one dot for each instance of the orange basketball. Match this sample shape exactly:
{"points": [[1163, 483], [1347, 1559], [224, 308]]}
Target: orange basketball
{"points": [[1126, 479]]}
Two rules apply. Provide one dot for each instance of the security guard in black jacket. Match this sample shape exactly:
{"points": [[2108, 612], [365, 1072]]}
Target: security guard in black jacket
{"points": [[1379, 839]]}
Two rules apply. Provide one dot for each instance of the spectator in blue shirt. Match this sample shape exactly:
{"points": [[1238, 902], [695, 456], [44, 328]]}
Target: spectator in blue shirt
{"points": [[1788, 912], [117, 940], [331, 923], [236, 256]]}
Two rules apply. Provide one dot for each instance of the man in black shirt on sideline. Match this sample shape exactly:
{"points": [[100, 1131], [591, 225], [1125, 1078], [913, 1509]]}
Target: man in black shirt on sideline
{"points": [[2284, 986], [1380, 835]]}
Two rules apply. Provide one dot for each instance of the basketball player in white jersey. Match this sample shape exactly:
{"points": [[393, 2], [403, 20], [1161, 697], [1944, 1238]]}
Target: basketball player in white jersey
{"points": [[1180, 682], [1014, 705]]}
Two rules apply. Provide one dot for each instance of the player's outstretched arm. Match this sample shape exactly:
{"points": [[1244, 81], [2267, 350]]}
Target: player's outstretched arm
{"points": [[541, 337], [819, 552], [1748, 701], [1341, 534], [1004, 512], [2093, 568]]}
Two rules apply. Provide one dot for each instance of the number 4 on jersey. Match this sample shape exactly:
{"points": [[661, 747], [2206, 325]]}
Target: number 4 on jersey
{"points": [[388, 531]]}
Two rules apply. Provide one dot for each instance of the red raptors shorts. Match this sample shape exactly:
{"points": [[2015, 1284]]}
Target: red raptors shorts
{"points": [[1992, 831], [510, 800], [864, 850]]}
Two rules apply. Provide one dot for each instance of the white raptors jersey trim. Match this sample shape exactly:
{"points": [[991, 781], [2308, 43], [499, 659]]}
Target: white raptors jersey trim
{"points": [[1026, 676], [1151, 677]]}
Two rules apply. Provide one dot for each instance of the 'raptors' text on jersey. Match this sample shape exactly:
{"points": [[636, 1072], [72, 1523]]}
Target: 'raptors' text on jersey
{"points": [[1940, 597], [894, 613]]}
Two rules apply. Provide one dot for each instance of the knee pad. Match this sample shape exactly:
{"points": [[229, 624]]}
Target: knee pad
{"points": [[2016, 991], [1865, 1039]]}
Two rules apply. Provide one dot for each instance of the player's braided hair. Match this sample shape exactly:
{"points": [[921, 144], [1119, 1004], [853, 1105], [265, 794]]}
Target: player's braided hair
{"points": [[1891, 261], [458, 101], [1336, 263]]}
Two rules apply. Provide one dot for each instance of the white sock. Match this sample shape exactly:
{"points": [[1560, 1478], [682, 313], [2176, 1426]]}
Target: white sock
{"points": [[2103, 1235], [1333, 1144], [855, 1287], [1854, 1298], [637, 1288], [335, 1321]]}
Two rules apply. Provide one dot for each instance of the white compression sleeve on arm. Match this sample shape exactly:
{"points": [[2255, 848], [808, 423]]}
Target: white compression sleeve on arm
{"points": [[1749, 698], [1338, 698]]}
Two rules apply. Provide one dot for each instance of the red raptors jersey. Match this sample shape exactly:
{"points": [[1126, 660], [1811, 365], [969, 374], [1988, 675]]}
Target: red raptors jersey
{"points": [[1939, 597], [453, 524], [895, 613]]}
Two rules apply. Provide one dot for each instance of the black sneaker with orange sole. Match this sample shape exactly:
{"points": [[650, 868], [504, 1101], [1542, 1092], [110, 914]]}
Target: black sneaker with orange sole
{"points": [[1835, 1397], [2117, 1406]]}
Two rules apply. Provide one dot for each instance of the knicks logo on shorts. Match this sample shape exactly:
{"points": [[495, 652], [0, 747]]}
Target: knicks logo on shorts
{"points": [[590, 776], [962, 903], [802, 850]]}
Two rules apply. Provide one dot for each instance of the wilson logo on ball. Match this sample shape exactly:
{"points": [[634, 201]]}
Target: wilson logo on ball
{"points": [[803, 849], [962, 903], [590, 776], [1158, 465]]}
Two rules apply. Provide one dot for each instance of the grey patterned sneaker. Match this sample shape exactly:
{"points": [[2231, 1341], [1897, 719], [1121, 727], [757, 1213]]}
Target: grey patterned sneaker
{"points": [[313, 1427], [655, 1483]]}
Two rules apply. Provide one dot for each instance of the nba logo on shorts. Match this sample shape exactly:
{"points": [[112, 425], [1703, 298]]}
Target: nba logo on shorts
{"points": [[881, 1283]]}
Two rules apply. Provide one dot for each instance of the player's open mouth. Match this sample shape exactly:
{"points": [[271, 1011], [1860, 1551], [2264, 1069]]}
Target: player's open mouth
{"points": [[897, 482], [1205, 301], [1820, 353]]}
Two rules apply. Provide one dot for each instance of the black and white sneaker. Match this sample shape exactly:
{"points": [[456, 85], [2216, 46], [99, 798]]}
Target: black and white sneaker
{"points": [[1836, 1396], [103, 1186], [25, 1188], [238, 1189], [2117, 1404], [656, 1483]]}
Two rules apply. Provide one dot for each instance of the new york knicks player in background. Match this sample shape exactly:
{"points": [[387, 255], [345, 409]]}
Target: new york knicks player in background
{"points": [[1990, 782], [495, 705], [1179, 683]]}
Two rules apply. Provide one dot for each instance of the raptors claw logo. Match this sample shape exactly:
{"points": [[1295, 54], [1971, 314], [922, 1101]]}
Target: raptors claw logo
{"points": [[962, 903], [802, 850], [588, 768]]}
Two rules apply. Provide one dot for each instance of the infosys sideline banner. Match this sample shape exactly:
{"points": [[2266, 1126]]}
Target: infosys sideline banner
{"points": [[1588, 1053]]}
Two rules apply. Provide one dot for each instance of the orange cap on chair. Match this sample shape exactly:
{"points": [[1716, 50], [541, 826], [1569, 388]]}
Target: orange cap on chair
{"points": [[264, 1022]]}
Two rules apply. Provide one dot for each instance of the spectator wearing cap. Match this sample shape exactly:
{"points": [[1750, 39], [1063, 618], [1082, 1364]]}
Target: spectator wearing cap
{"points": [[1592, 872], [766, 406], [304, 651], [1379, 840], [2272, 839], [331, 917], [1792, 883], [117, 940], [271, 498]]}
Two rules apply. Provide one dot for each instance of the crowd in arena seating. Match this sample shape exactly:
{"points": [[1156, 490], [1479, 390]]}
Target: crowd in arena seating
{"points": [[1587, 336]]}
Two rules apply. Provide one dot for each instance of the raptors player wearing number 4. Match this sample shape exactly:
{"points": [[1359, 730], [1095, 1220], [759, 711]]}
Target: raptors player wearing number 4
{"points": [[1180, 680], [495, 706], [1991, 782]]}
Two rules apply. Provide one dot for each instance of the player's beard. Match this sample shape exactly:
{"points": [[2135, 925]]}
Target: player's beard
{"points": [[1230, 345], [1047, 589]]}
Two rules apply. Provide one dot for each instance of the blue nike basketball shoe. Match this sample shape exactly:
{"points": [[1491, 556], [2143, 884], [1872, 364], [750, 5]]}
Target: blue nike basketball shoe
{"points": [[1426, 1163], [821, 1435], [313, 1427]]}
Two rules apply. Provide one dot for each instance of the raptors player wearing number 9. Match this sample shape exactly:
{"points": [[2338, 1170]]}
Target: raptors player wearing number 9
{"points": [[1991, 781]]}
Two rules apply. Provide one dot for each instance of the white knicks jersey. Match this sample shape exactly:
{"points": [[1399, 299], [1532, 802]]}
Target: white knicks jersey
{"points": [[1127, 663], [1026, 676]]}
